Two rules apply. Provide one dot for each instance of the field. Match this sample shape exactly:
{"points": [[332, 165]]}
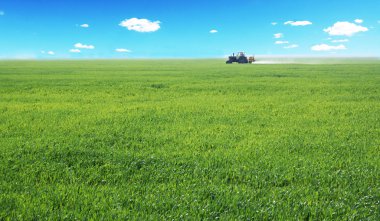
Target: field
{"points": [[189, 140]]}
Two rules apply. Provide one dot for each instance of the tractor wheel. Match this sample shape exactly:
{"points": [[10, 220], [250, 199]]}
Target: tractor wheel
{"points": [[243, 60]]}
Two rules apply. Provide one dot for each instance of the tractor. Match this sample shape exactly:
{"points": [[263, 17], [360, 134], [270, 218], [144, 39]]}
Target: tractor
{"points": [[240, 58]]}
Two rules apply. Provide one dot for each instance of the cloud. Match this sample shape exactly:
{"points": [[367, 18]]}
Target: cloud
{"points": [[122, 50], [2, 13], [82, 46], [75, 50], [359, 21], [345, 29], [281, 42], [140, 25], [85, 25], [274, 23], [340, 41], [278, 35], [325, 47], [298, 23], [213, 31], [48, 52], [291, 46]]}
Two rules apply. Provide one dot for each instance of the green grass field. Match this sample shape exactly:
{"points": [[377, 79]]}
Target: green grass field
{"points": [[189, 140]]}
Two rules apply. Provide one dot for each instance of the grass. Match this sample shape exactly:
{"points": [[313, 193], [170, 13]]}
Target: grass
{"points": [[189, 140]]}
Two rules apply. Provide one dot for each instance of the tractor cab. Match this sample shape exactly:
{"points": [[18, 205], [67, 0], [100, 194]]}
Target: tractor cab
{"points": [[240, 54]]}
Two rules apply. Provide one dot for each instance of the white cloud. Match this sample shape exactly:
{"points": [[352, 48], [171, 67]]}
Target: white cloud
{"points": [[85, 25], [298, 23], [274, 23], [359, 21], [2, 13], [213, 31], [75, 50], [325, 47], [80, 45], [281, 42], [122, 50], [48, 52], [278, 35], [340, 41], [345, 29], [291, 46], [140, 25]]}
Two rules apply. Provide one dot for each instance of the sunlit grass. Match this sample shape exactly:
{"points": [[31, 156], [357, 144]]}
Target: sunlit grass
{"points": [[189, 139]]}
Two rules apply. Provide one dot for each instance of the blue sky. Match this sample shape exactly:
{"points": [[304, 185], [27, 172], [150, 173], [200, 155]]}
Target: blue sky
{"points": [[70, 29]]}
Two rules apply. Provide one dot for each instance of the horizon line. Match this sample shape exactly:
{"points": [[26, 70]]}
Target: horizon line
{"points": [[197, 58]]}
